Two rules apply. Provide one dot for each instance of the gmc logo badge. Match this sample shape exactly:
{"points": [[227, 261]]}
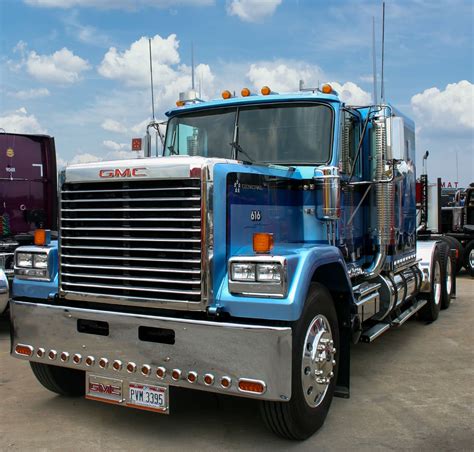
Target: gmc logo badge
{"points": [[105, 389], [127, 172]]}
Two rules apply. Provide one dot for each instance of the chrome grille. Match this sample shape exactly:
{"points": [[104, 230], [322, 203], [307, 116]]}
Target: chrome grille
{"points": [[131, 242]]}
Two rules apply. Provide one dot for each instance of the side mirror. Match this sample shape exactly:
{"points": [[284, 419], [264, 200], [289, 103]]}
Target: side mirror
{"points": [[396, 138]]}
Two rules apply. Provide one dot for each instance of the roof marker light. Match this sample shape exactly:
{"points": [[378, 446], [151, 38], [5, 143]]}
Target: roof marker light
{"points": [[180, 103], [326, 88], [266, 90], [245, 92], [226, 94]]}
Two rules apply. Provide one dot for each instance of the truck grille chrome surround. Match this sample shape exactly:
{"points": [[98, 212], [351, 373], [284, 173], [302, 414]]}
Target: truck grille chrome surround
{"points": [[134, 242]]}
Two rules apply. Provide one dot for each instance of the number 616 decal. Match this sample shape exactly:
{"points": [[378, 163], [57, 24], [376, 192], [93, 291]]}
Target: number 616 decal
{"points": [[255, 215]]}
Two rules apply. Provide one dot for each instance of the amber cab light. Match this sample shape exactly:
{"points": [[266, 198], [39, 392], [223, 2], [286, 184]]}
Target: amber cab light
{"points": [[226, 94], [326, 88], [180, 103], [257, 387], [266, 90], [245, 92], [24, 350], [262, 242]]}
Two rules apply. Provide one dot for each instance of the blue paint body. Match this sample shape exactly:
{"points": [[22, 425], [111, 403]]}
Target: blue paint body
{"points": [[299, 236]]}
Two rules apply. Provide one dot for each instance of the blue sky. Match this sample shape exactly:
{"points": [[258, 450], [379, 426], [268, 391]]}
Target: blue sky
{"points": [[78, 69]]}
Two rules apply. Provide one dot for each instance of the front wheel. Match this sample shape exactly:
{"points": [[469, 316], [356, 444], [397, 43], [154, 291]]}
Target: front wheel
{"points": [[314, 370], [61, 380]]}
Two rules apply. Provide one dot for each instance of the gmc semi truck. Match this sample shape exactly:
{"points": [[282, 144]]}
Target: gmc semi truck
{"points": [[28, 187], [273, 231]]}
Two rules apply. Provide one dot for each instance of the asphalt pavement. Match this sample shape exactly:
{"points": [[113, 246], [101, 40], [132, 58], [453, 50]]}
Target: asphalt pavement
{"points": [[412, 389]]}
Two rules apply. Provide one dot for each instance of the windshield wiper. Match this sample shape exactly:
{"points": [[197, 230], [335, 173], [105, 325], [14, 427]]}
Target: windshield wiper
{"points": [[239, 150]]}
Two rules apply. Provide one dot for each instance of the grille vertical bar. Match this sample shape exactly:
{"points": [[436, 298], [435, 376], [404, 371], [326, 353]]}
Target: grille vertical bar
{"points": [[132, 242]]}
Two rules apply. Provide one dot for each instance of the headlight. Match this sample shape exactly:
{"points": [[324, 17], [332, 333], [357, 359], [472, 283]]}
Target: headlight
{"points": [[40, 260], [269, 272], [24, 259], [243, 272]]}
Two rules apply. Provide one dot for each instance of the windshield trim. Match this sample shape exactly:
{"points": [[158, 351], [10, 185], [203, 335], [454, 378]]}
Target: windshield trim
{"points": [[239, 107]]}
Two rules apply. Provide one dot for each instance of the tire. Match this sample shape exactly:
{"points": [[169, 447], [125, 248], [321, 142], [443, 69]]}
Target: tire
{"points": [[430, 311], [61, 380], [454, 243], [469, 258], [306, 411], [448, 274]]}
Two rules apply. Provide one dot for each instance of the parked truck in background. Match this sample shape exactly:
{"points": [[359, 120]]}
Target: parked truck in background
{"points": [[274, 231], [452, 223], [28, 188]]}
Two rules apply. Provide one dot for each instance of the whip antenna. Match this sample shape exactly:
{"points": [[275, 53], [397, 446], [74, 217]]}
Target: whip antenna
{"points": [[151, 81], [382, 88], [374, 63], [192, 66]]}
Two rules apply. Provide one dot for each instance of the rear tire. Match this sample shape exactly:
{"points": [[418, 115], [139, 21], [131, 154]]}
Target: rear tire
{"points": [[448, 274], [61, 380], [430, 311], [469, 258], [454, 243], [314, 370]]}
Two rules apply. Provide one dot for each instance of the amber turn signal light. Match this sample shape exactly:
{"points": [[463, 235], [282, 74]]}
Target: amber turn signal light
{"points": [[41, 237], [252, 386], [262, 242], [24, 350]]}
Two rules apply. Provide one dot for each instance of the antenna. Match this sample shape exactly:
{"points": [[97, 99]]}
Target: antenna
{"points": [[374, 63], [151, 81], [382, 90], [192, 66]]}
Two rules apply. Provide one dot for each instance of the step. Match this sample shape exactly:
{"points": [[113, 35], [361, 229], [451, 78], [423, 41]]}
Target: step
{"points": [[405, 315], [373, 333]]}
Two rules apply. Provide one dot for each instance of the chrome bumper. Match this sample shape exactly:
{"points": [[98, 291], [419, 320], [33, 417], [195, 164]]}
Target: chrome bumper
{"points": [[236, 351]]}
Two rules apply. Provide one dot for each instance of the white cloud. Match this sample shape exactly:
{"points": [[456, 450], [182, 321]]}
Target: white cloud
{"points": [[116, 4], [252, 10], [20, 121], [352, 94], [113, 126], [33, 93], [449, 110], [283, 75], [114, 146], [61, 67], [84, 158]]}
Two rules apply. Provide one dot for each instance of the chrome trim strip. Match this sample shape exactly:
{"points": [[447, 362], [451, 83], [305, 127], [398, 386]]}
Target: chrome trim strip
{"points": [[114, 248], [129, 199], [143, 269], [132, 239], [134, 288], [141, 259], [130, 278], [129, 190], [132, 229]]}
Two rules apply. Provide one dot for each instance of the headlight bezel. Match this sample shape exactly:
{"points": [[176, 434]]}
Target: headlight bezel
{"points": [[41, 263], [259, 286]]}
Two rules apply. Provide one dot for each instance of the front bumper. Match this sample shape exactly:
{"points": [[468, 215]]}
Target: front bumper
{"points": [[237, 351]]}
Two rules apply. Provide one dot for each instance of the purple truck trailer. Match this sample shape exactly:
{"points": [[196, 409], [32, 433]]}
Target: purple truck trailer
{"points": [[28, 197]]}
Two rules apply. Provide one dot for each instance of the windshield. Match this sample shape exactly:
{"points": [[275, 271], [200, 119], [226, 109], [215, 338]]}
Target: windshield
{"points": [[278, 134]]}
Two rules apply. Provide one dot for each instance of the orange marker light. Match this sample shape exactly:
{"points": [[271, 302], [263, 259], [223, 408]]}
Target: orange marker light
{"points": [[40, 237], [226, 94], [252, 386], [245, 92], [266, 90], [326, 88], [24, 350], [262, 242], [180, 103]]}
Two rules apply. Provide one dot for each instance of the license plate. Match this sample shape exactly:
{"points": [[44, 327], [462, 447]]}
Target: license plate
{"points": [[148, 397]]}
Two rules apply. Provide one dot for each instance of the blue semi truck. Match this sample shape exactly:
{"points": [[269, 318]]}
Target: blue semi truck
{"points": [[273, 232]]}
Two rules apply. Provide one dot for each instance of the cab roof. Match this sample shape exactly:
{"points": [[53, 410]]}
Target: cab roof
{"points": [[302, 96]]}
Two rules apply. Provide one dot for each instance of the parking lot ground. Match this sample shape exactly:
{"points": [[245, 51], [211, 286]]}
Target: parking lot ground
{"points": [[412, 389]]}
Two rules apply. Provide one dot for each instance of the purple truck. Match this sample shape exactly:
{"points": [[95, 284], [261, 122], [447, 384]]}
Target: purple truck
{"points": [[28, 196]]}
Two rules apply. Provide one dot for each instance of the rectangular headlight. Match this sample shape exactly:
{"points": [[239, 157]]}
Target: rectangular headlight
{"points": [[269, 272], [24, 259], [242, 272], [40, 260]]}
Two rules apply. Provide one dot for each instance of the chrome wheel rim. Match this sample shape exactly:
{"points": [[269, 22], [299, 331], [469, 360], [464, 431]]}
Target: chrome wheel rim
{"points": [[471, 258], [437, 283], [449, 282], [317, 367]]}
